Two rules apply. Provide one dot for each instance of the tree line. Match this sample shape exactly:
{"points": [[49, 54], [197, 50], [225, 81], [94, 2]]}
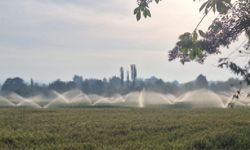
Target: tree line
{"points": [[114, 85]]}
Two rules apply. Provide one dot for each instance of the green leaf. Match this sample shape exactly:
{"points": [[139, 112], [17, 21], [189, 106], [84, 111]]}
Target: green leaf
{"points": [[203, 34], [148, 12], [195, 52], [221, 7], [184, 50], [213, 5], [195, 36], [145, 13], [138, 16], [198, 52], [192, 55], [157, 1], [136, 10], [203, 6]]}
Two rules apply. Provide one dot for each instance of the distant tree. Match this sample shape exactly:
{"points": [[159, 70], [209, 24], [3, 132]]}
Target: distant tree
{"points": [[115, 82], [16, 85], [155, 84], [113, 86], [99, 87], [227, 85], [71, 85], [85, 86], [61, 86], [105, 80], [122, 76], [93, 86], [128, 80], [172, 87], [78, 81], [133, 74], [201, 82], [31, 83]]}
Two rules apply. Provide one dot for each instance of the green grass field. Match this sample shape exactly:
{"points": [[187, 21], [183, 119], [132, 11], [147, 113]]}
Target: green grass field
{"points": [[125, 129]]}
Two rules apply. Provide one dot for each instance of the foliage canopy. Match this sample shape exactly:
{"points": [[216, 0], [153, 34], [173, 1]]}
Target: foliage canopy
{"points": [[233, 21]]}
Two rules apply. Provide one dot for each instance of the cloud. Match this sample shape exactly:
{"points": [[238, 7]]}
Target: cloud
{"points": [[85, 24], [93, 38]]}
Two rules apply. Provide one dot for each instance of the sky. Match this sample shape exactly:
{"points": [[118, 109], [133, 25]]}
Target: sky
{"points": [[51, 39]]}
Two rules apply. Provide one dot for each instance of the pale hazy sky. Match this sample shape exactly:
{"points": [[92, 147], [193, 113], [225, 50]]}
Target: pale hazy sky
{"points": [[50, 39]]}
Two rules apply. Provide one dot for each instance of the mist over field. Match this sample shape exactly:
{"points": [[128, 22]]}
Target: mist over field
{"points": [[118, 92]]}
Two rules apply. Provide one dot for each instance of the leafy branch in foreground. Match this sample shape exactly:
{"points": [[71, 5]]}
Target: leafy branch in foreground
{"points": [[224, 30], [221, 6], [242, 71], [143, 8], [232, 22]]}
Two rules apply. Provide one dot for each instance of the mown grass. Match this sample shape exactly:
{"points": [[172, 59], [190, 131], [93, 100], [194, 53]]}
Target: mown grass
{"points": [[125, 129]]}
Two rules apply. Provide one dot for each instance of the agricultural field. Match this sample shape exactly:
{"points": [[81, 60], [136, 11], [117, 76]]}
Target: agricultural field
{"points": [[124, 129]]}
